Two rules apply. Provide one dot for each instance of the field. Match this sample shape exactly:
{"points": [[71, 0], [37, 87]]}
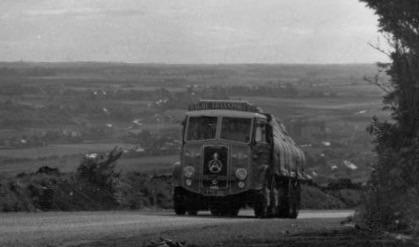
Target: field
{"points": [[148, 164], [60, 150], [54, 114], [70, 164], [67, 157]]}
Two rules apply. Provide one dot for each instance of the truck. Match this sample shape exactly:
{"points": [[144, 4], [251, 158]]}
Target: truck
{"points": [[234, 155]]}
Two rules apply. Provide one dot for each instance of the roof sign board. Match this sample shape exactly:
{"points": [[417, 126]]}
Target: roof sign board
{"points": [[224, 105]]}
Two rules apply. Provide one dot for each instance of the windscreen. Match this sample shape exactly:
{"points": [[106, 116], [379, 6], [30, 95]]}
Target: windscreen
{"points": [[236, 129], [201, 128]]}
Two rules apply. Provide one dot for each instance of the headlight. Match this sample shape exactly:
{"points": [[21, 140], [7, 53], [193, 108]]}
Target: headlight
{"points": [[188, 171], [241, 173]]}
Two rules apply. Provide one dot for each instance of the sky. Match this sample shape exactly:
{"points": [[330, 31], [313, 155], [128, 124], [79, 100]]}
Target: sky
{"points": [[188, 31]]}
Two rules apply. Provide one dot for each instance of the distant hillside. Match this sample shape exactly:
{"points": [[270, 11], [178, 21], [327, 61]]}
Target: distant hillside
{"points": [[196, 74], [52, 113]]}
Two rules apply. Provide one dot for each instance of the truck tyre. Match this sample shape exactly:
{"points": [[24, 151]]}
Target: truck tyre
{"points": [[179, 210], [192, 212], [231, 211], [215, 211], [179, 201], [295, 194], [234, 206], [274, 198], [234, 212], [283, 207], [263, 206], [293, 211], [260, 206], [193, 205]]}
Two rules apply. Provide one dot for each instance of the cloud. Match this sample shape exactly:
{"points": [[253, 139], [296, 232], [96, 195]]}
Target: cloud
{"points": [[82, 12], [188, 31]]}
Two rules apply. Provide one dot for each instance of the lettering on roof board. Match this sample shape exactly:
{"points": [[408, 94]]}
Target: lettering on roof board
{"points": [[222, 105]]}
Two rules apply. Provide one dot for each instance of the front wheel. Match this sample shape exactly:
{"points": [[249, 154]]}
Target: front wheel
{"points": [[265, 200]]}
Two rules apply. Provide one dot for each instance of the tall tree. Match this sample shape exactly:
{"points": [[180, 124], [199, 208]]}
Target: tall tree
{"points": [[393, 197]]}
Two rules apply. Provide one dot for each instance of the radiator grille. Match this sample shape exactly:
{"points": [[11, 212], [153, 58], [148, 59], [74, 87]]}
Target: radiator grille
{"points": [[215, 167]]}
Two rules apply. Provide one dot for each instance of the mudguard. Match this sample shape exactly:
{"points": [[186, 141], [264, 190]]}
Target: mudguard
{"points": [[261, 177]]}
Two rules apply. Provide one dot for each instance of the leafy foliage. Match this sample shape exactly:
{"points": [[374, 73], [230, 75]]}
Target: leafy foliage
{"points": [[99, 169], [391, 202]]}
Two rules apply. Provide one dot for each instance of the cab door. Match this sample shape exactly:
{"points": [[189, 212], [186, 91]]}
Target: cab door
{"points": [[262, 142]]}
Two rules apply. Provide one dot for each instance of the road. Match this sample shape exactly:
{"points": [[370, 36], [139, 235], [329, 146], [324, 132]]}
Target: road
{"points": [[117, 227]]}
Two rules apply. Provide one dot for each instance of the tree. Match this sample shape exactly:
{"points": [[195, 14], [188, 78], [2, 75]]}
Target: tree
{"points": [[394, 191]]}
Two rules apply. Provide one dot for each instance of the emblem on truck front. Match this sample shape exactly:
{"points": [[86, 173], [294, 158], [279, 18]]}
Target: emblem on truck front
{"points": [[215, 165]]}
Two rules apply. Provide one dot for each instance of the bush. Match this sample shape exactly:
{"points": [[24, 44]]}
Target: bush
{"points": [[99, 169], [141, 190], [314, 198], [92, 187], [97, 186], [391, 201]]}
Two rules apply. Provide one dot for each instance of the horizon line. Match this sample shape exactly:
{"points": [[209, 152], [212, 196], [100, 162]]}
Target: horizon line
{"points": [[178, 64]]}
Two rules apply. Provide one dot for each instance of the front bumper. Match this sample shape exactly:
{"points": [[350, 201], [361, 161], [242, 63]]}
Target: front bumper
{"points": [[220, 188]]}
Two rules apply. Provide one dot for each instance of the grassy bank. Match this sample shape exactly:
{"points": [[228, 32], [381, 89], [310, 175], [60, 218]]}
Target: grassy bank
{"points": [[50, 190]]}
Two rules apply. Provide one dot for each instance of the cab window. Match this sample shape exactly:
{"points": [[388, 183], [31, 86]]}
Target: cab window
{"points": [[236, 129], [201, 128]]}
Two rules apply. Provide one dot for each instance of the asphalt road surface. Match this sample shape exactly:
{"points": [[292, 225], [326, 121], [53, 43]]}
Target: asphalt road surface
{"points": [[127, 228]]}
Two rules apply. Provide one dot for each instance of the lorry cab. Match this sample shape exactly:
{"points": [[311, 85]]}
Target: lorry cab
{"points": [[227, 157]]}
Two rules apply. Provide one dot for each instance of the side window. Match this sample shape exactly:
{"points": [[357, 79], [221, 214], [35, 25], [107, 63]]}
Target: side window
{"points": [[183, 129], [261, 131]]}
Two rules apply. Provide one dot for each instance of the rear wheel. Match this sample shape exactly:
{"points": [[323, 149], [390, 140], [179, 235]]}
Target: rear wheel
{"points": [[293, 211], [179, 202], [233, 211], [180, 210], [295, 195], [289, 199], [283, 204], [274, 198], [215, 211], [192, 212]]}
